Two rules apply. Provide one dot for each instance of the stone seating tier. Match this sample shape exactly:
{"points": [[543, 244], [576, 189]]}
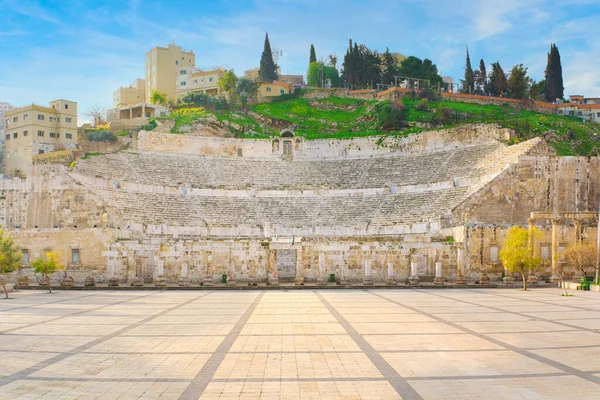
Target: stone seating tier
{"points": [[163, 169]]}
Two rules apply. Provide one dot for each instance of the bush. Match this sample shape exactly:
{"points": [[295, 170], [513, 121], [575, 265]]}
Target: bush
{"points": [[444, 114], [101, 136], [391, 116], [422, 105], [124, 133], [149, 126]]}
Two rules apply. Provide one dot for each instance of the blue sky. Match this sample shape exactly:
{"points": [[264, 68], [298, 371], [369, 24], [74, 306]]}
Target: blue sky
{"points": [[84, 50]]}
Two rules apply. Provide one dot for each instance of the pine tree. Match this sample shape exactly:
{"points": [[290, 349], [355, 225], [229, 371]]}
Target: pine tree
{"points": [[388, 68], [469, 81], [498, 84], [519, 82], [313, 55], [268, 69], [554, 78], [481, 78]]}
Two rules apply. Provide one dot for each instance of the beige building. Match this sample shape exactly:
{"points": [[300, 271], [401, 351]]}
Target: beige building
{"points": [[277, 88], [252, 74], [129, 95], [162, 65], [191, 79], [34, 130]]}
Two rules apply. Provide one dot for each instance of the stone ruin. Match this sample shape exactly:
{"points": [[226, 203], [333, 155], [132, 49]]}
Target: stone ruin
{"points": [[191, 209]]}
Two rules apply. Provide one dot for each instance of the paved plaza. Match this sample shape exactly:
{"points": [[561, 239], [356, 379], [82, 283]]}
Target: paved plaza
{"points": [[349, 344]]}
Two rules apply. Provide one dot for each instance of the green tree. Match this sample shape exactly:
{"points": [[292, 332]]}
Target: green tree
{"points": [[246, 89], [333, 60], [518, 82], [10, 257], [313, 55], [581, 256], [481, 79], [268, 69], [388, 68], [313, 76], [414, 67], [554, 77], [468, 84], [228, 85], [47, 266], [498, 83], [157, 97], [517, 253], [537, 90]]}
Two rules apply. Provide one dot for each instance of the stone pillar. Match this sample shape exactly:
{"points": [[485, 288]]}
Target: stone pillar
{"points": [[460, 279], [113, 280], [299, 267], [555, 256], [466, 269], [130, 113], [578, 224], [273, 273], [531, 222], [184, 281], [208, 278], [321, 280], [438, 280], [368, 278], [144, 110], [414, 276], [391, 277]]}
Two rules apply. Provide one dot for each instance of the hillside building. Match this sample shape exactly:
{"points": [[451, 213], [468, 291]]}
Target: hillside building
{"points": [[277, 88], [162, 65], [129, 95], [192, 79], [34, 130]]}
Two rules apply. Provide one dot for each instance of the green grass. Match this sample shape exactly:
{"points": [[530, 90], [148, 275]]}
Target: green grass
{"points": [[342, 118], [124, 133], [92, 154]]}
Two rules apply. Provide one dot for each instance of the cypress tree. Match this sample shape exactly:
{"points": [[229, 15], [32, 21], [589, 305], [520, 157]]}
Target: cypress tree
{"points": [[554, 78], [481, 78], [469, 82], [313, 55], [267, 70]]}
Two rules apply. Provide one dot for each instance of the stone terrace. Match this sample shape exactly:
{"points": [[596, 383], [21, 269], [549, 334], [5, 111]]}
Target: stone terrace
{"points": [[375, 344], [162, 169]]}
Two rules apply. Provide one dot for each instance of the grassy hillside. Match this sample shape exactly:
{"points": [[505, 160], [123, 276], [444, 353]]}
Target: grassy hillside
{"points": [[343, 118]]}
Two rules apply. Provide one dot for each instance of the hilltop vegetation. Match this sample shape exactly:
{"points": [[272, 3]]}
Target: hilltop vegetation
{"points": [[336, 117]]}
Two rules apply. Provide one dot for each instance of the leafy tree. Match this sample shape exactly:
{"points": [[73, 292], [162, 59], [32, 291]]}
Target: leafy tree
{"points": [[518, 82], [333, 60], [268, 69], [228, 85], [537, 90], [554, 77], [332, 74], [47, 266], [246, 89], [517, 254], [481, 79], [157, 97], [362, 66], [581, 256], [10, 257], [313, 55], [391, 116], [313, 76], [498, 83], [468, 84], [414, 67], [388, 68]]}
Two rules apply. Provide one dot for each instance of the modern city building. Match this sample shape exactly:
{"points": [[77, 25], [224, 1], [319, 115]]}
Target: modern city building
{"points": [[162, 65]]}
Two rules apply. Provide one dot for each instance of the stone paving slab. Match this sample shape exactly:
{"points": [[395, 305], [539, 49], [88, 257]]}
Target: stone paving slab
{"points": [[466, 343]]}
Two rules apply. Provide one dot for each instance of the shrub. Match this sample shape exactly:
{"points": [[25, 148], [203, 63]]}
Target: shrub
{"points": [[422, 105], [124, 133], [444, 114], [101, 136], [391, 116], [150, 125]]}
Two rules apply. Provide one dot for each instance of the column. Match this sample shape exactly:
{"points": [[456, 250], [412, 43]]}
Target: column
{"points": [[391, 277], [531, 222], [321, 280], [299, 267], [438, 280], [555, 256], [208, 278], [273, 277], [413, 279], [130, 113], [368, 279], [578, 226], [460, 278]]}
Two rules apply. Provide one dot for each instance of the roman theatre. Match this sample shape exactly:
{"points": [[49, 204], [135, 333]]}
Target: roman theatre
{"points": [[188, 209]]}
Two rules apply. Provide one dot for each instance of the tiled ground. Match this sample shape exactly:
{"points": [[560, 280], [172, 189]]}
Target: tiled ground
{"points": [[351, 344]]}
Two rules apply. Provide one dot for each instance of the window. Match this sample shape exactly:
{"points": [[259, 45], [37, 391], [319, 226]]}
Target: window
{"points": [[41, 133], [15, 135], [182, 83], [68, 136], [53, 135], [7, 136], [50, 119], [598, 114], [57, 119], [182, 72], [40, 117], [196, 81], [268, 88], [176, 62], [66, 106], [210, 79], [75, 256], [25, 133], [281, 91], [15, 119], [68, 119], [545, 253], [25, 258], [25, 116], [40, 151]]}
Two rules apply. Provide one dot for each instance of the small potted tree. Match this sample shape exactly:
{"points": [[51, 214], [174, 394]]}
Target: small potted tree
{"points": [[48, 266]]}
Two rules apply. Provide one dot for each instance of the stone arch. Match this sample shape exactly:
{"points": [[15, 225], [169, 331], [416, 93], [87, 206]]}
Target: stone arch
{"points": [[286, 133]]}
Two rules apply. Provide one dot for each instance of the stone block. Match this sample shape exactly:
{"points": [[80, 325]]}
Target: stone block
{"points": [[438, 280], [23, 280], [67, 282], [413, 280], [137, 281], [207, 281], [160, 281], [184, 282], [113, 281], [90, 281], [508, 280]]}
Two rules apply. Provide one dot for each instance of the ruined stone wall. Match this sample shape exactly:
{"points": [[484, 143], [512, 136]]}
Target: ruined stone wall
{"points": [[535, 183], [321, 149]]}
